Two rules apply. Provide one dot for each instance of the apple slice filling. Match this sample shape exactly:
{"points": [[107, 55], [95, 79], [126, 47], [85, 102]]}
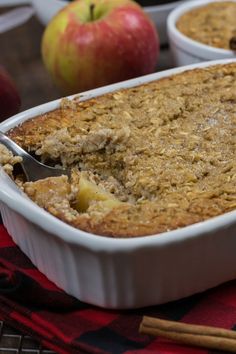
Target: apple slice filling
{"points": [[90, 193], [73, 197]]}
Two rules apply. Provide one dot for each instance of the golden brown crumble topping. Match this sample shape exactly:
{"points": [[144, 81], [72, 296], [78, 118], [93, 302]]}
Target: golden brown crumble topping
{"points": [[145, 160], [7, 160], [212, 24]]}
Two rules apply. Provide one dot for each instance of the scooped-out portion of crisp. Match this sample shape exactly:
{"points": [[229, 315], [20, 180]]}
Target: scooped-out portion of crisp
{"points": [[143, 160]]}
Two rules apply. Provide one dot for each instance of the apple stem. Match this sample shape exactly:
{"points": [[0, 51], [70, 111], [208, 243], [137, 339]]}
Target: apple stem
{"points": [[92, 6]]}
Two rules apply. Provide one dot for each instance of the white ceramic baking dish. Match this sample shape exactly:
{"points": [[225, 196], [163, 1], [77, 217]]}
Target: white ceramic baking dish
{"points": [[186, 50], [119, 273]]}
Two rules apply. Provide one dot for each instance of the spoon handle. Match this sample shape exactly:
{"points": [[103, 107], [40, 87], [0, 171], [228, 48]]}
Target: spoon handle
{"points": [[17, 150], [33, 169], [11, 145]]}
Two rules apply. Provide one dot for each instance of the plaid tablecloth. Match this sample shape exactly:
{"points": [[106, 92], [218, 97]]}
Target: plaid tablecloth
{"points": [[35, 306]]}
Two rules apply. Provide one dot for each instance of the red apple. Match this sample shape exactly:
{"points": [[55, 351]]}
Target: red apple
{"points": [[91, 43], [9, 96]]}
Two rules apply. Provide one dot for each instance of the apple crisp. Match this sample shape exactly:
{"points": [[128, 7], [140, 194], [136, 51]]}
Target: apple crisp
{"points": [[212, 24], [143, 160]]}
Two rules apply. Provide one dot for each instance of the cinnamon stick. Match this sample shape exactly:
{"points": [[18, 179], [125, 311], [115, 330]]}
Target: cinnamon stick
{"points": [[195, 335]]}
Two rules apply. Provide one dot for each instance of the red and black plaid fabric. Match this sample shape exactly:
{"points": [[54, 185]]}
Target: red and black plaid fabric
{"points": [[35, 306]]}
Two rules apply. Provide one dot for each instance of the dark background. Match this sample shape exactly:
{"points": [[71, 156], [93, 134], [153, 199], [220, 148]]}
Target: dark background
{"points": [[20, 55]]}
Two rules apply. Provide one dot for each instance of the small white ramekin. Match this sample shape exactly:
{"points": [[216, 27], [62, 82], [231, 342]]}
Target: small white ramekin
{"points": [[46, 9], [159, 15], [186, 50]]}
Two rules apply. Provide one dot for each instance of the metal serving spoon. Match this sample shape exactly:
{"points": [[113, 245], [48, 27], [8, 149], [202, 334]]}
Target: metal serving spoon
{"points": [[32, 168]]}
